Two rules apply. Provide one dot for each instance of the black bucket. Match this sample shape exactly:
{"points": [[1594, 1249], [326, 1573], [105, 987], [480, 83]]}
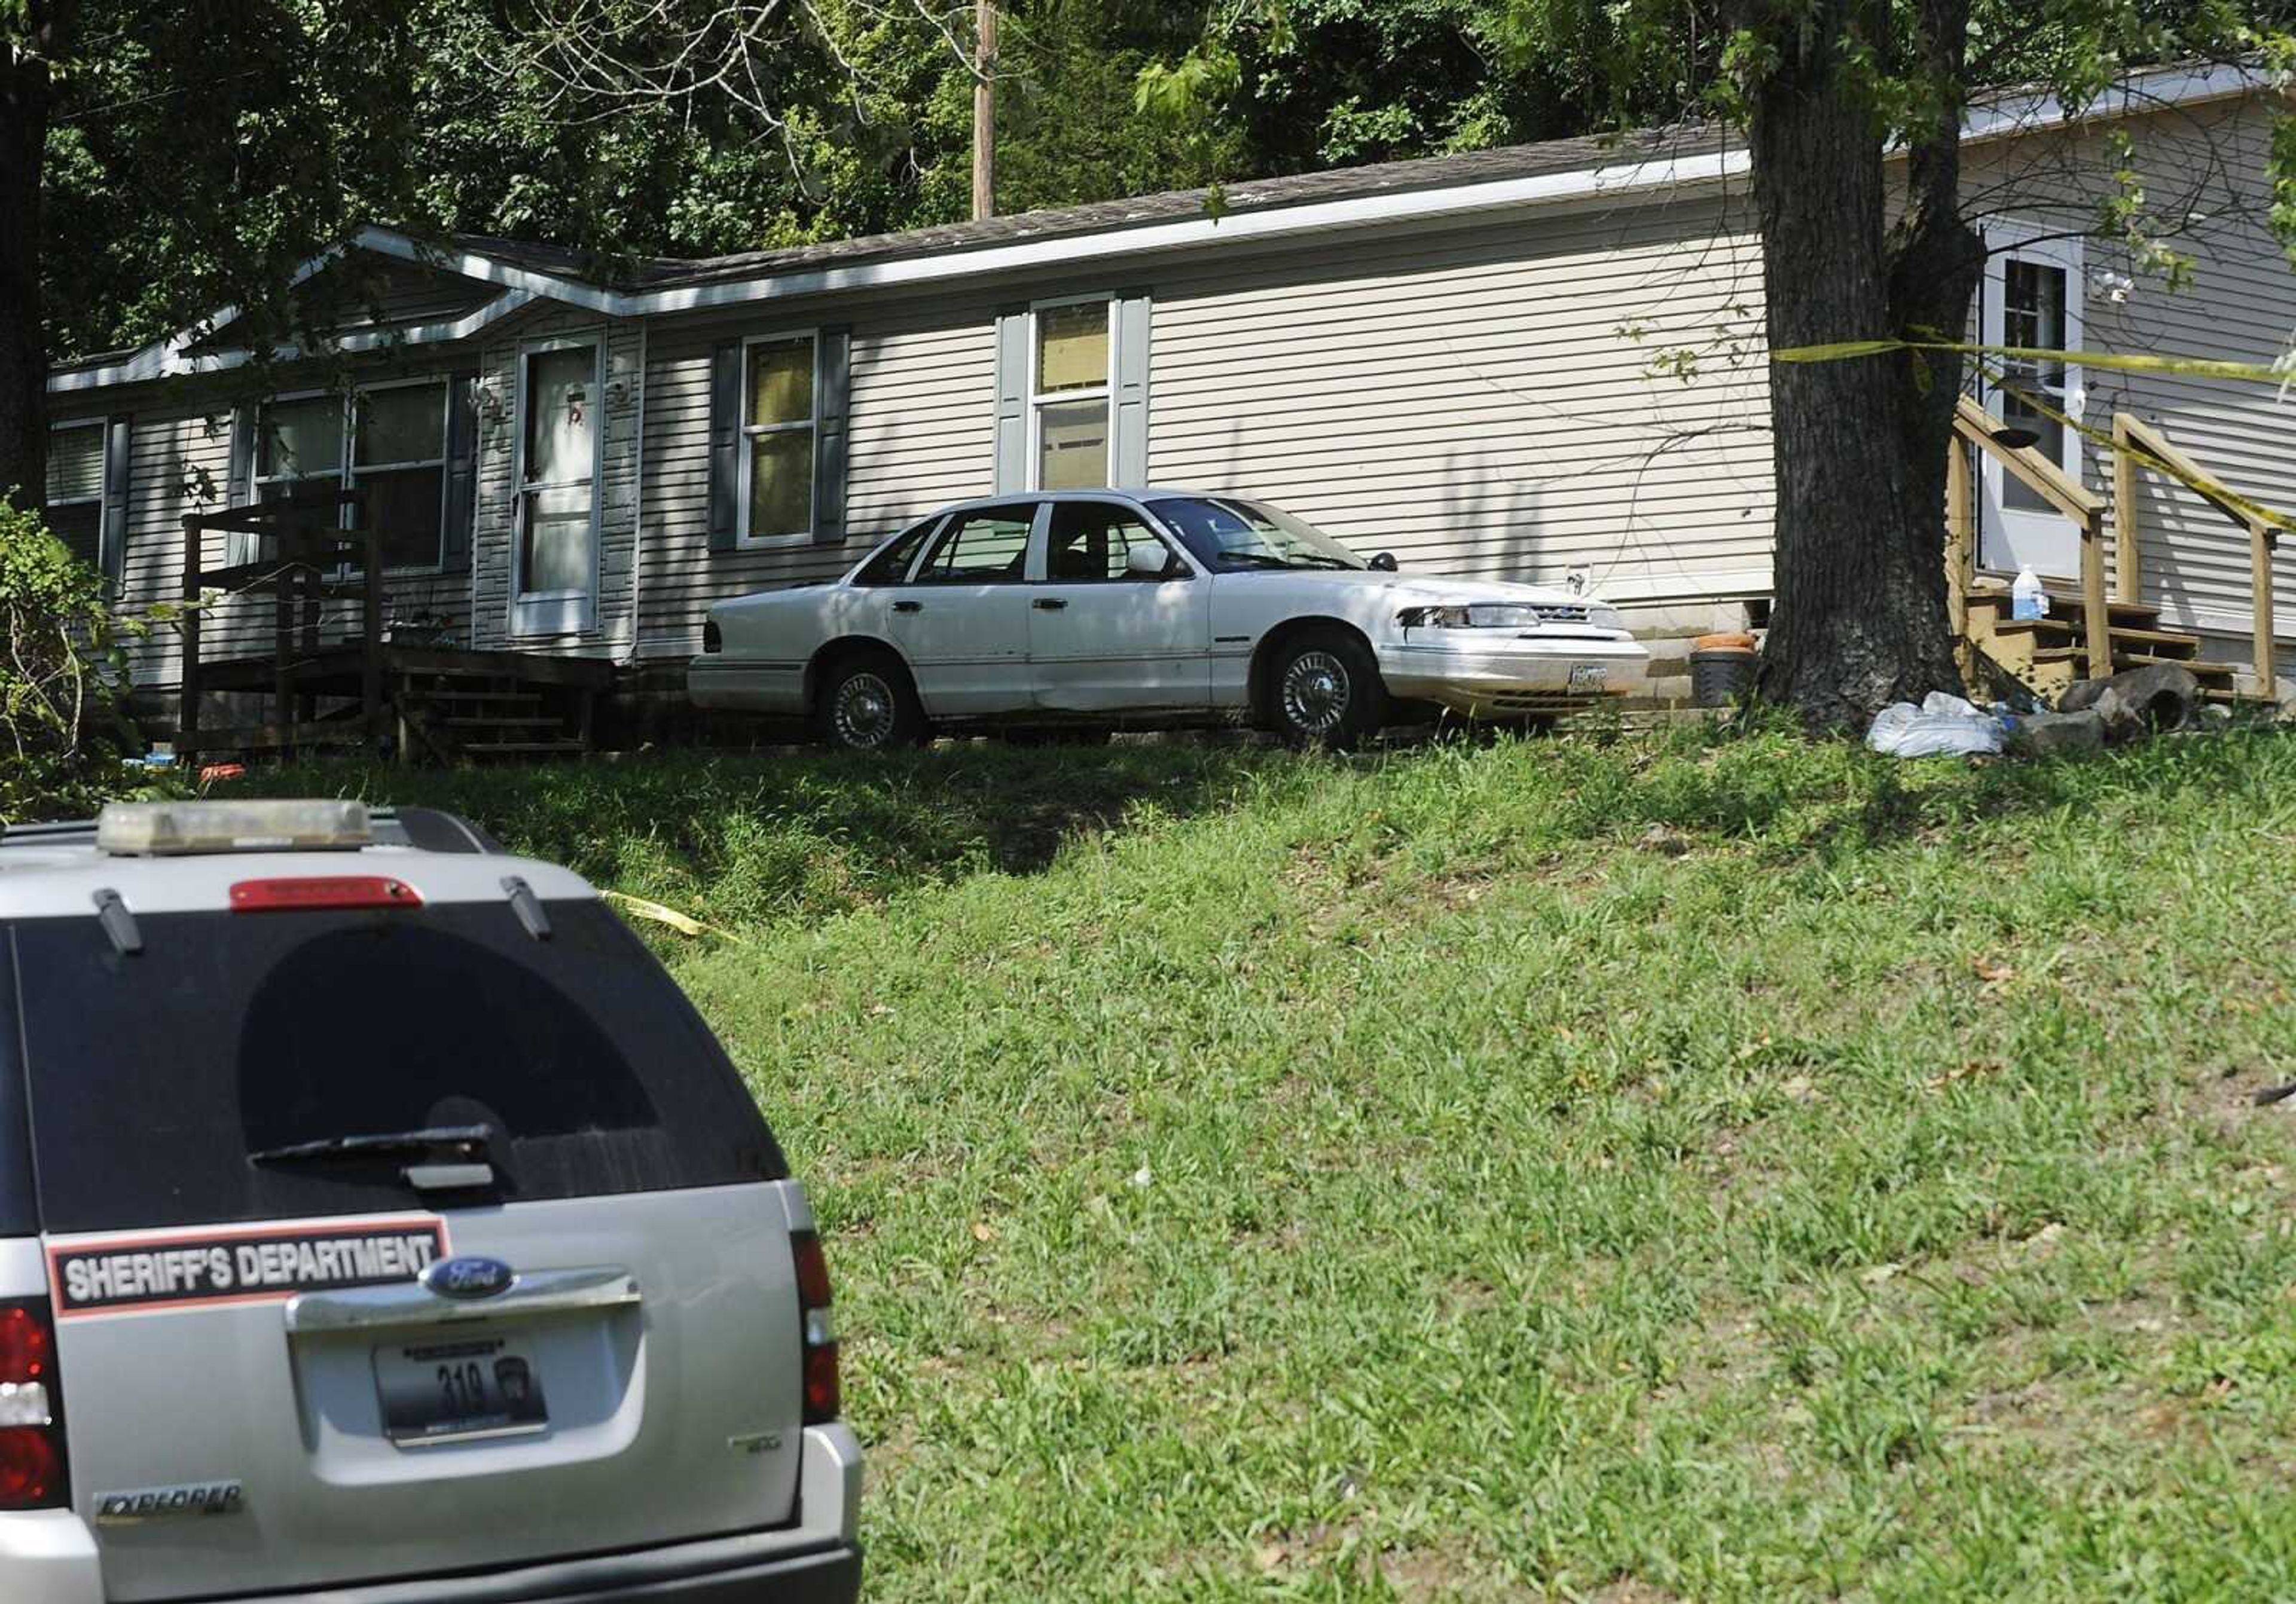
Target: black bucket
{"points": [[1721, 669]]}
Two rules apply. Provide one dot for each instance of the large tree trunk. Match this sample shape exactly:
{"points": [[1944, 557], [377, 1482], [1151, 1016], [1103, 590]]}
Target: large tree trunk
{"points": [[23, 345], [1859, 620]]}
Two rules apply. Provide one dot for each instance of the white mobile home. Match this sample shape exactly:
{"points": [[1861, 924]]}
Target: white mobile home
{"points": [[1534, 363]]}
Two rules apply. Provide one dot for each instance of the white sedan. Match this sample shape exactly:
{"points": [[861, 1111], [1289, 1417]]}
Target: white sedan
{"points": [[1090, 610]]}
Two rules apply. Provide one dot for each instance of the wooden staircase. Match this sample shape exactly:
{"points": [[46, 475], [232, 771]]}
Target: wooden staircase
{"points": [[484, 714], [2092, 631], [2046, 655]]}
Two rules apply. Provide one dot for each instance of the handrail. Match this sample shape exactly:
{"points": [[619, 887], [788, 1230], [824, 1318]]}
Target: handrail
{"points": [[2137, 444], [2025, 463]]}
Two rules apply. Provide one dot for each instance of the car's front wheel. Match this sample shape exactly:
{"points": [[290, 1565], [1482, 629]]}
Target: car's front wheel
{"points": [[1325, 691], [868, 705]]}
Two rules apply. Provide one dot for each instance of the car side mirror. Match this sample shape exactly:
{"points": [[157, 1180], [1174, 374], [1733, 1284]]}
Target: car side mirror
{"points": [[1384, 563], [1145, 560]]}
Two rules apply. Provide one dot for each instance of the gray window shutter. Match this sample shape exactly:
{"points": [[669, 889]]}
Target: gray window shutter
{"points": [[462, 467], [1129, 314], [239, 491], [834, 359], [1011, 402], [118, 442], [725, 446]]}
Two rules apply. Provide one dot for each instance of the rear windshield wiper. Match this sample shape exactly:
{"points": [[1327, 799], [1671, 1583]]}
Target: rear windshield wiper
{"points": [[473, 1139]]}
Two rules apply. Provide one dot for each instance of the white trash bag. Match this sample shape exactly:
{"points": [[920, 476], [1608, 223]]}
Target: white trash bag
{"points": [[1943, 726]]}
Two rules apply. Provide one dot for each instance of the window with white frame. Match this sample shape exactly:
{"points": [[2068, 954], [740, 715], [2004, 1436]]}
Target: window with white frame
{"points": [[1069, 394], [75, 488], [780, 422], [388, 440]]}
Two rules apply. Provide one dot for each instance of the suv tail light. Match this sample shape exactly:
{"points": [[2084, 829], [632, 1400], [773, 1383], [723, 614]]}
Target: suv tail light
{"points": [[31, 1404], [308, 893], [824, 1397]]}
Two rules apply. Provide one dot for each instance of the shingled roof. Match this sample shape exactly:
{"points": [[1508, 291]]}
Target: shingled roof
{"points": [[1556, 155]]}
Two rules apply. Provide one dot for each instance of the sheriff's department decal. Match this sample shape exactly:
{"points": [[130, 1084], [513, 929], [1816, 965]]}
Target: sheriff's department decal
{"points": [[136, 1272]]}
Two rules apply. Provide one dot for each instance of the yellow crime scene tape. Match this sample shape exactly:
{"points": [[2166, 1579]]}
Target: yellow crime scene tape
{"points": [[1993, 358], [663, 915]]}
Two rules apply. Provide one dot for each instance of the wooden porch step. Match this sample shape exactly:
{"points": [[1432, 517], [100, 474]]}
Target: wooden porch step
{"points": [[2200, 668], [2065, 603], [521, 748], [535, 721], [2121, 635], [525, 699]]}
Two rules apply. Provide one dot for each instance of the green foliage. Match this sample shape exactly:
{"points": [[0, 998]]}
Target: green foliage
{"points": [[58, 664], [1706, 1169]]}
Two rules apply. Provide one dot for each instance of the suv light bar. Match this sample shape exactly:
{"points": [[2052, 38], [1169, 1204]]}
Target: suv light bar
{"points": [[177, 829]]}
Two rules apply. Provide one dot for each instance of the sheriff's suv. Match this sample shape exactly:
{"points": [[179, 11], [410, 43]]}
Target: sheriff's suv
{"points": [[379, 1224]]}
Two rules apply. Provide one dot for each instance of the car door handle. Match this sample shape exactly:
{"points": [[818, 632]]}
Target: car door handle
{"points": [[1050, 604], [908, 606], [411, 1302]]}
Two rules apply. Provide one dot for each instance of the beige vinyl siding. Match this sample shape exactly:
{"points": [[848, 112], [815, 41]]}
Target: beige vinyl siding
{"points": [[171, 456], [493, 530], [2203, 171], [1487, 402], [922, 433], [2242, 307]]}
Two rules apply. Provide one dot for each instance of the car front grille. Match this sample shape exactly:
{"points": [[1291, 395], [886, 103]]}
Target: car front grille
{"points": [[1567, 613]]}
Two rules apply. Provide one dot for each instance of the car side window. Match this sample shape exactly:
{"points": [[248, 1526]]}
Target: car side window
{"points": [[892, 565], [1092, 542], [986, 546]]}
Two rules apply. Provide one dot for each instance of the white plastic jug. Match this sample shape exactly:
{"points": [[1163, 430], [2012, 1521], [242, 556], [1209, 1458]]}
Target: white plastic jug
{"points": [[2027, 598]]}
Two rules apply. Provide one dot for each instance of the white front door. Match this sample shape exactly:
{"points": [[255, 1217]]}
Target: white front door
{"points": [[2031, 300], [962, 619], [1101, 637], [555, 558]]}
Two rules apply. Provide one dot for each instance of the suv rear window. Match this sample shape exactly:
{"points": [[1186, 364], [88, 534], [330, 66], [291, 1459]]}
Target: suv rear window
{"points": [[152, 1077]]}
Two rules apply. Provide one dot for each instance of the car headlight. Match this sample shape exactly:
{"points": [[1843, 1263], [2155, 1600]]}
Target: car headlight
{"points": [[1481, 615], [1604, 617]]}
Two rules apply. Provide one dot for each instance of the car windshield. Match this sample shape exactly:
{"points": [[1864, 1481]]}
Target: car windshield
{"points": [[1231, 536]]}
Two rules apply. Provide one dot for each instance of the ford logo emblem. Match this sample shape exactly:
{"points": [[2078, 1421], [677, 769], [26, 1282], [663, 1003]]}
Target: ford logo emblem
{"points": [[469, 1277]]}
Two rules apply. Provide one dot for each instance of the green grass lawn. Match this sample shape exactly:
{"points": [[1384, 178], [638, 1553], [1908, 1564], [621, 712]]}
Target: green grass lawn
{"points": [[1714, 1168]]}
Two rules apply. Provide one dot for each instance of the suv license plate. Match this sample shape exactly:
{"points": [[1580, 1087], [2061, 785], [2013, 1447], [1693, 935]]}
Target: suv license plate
{"points": [[1589, 677], [451, 1391]]}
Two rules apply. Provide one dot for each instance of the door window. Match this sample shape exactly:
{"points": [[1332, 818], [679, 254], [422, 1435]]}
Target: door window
{"points": [[892, 565], [986, 547], [562, 464], [2033, 316], [1092, 542]]}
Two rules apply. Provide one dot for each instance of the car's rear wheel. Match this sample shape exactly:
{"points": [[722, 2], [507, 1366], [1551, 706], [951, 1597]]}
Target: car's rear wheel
{"points": [[868, 705], [1325, 691]]}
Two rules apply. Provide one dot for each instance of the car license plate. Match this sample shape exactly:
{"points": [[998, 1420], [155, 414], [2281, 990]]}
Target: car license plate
{"points": [[1589, 677], [438, 1392]]}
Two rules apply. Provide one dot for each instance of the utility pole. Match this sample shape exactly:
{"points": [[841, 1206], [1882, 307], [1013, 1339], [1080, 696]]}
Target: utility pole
{"points": [[984, 110]]}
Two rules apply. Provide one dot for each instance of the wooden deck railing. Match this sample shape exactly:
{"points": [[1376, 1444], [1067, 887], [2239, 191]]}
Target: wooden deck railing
{"points": [[1976, 428], [310, 552], [2137, 444]]}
